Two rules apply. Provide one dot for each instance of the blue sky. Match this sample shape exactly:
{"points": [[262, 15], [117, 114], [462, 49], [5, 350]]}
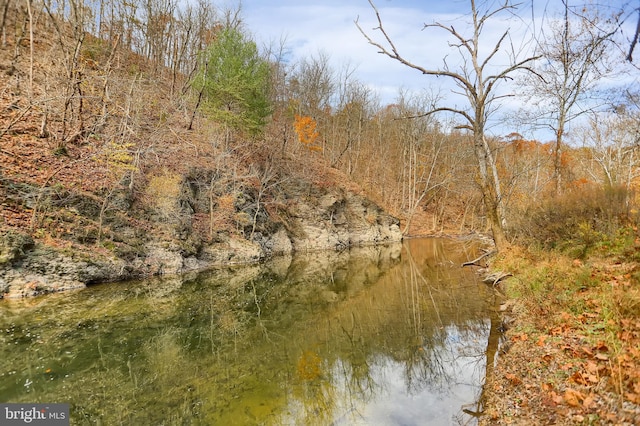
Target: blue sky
{"points": [[312, 26]]}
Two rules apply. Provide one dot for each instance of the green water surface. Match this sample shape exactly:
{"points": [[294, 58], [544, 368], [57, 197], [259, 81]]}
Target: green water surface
{"points": [[390, 335]]}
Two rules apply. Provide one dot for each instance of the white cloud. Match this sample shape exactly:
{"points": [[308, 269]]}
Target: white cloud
{"points": [[328, 26]]}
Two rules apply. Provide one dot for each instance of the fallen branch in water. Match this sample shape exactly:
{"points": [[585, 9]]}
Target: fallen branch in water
{"points": [[495, 277], [475, 261]]}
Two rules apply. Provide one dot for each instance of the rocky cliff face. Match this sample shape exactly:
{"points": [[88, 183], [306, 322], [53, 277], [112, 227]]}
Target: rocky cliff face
{"points": [[322, 219], [338, 220]]}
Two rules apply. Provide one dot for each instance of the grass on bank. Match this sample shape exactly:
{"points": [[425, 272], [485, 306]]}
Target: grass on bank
{"points": [[576, 287]]}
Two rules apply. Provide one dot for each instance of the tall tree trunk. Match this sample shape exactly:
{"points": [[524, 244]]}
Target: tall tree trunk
{"points": [[3, 23], [557, 159], [490, 189]]}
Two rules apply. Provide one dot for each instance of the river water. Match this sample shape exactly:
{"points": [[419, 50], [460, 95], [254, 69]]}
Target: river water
{"points": [[390, 335]]}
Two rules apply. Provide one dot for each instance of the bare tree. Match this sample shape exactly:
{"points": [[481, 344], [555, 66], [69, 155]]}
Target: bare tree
{"points": [[575, 52], [3, 21], [614, 144], [424, 167], [71, 47], [354, 107], [636, 37], [281, 128], [477, 78], [159, 28], [313, 84]]}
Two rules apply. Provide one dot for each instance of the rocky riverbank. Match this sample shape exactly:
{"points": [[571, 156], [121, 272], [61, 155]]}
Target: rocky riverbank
{"points": [[323, 219]]}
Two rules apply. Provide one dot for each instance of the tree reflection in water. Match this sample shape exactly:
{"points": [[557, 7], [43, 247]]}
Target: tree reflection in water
{"points": [[411, 348], [393, 335]]}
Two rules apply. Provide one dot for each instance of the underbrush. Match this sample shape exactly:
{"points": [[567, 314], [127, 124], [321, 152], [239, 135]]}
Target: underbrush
{"points": [[581, 222]]}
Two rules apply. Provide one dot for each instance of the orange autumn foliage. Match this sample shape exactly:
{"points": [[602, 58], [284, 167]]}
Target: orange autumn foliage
{"points": [[306, 129]]}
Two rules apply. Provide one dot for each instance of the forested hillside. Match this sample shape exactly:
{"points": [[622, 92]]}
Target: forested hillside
{"points": [[129, 150], [120, 100]]}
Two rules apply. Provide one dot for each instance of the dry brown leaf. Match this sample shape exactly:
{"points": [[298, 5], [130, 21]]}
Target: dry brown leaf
{"points": [[579, 378], [573, 397], [611, 417], [591, 367], [520, 337], [513, 379], [567, 366], [588, 352], [632, 397], [601, 346], [592, 378], [555, 331], [589, 402], [625, 336]]}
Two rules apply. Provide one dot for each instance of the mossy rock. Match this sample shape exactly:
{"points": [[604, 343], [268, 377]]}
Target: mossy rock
{"points": [[14, 245]]}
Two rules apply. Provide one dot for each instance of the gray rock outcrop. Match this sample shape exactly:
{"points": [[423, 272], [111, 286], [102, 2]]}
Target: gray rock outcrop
{"points": [[333, 219]]}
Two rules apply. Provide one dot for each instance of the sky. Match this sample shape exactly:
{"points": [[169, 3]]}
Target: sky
{"points": [[328, 26], [309, 27]]}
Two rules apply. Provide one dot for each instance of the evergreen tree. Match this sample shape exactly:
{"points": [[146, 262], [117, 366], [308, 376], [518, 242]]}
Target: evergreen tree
{"points": [[235, 82]]}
